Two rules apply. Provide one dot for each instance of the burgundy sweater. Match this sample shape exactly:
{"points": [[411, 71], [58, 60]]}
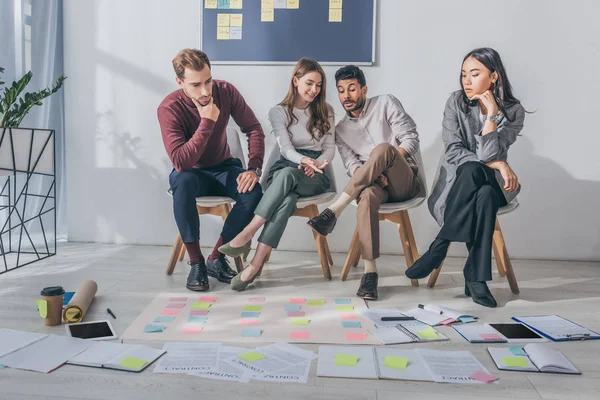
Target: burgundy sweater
{"points": [[193, 142]]}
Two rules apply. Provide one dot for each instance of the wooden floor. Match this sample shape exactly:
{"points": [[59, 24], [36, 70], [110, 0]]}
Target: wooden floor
{"points": [[129, 277]]}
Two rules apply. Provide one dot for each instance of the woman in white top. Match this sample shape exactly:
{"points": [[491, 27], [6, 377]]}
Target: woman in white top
{"points": [[303, 124]]}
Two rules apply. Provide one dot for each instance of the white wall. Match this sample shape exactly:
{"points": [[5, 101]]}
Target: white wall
{"points": [[118, 55]]}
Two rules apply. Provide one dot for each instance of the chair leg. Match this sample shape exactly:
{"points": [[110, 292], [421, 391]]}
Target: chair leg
{"points": [[408, 241], [503, 262], [182, 253], [327, 251], [353, 256], [175, 254], [434, 275]]}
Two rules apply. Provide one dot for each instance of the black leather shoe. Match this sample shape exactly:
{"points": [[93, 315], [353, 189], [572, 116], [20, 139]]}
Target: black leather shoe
{"points": [[368, 286], [324, 222], [198, 278], [430, 260], [220, 270], [480, 293]]}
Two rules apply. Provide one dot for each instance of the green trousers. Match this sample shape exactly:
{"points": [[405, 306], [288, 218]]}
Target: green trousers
{"points": [[287, 183]]}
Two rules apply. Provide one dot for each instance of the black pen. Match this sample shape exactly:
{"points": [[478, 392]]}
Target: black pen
{"points": [[111, 313], [397, 318]]}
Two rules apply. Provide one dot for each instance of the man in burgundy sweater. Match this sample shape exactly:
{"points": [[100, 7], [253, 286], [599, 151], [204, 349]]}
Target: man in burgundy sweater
{"points": [[193, 122]]}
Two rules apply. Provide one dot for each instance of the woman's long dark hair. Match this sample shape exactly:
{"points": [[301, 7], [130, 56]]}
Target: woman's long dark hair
{"points": [[501, 89], [318, 124]]}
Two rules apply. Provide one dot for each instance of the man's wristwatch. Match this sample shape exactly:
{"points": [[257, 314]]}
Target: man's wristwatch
{"points": [[258, 171], [496, 118]]}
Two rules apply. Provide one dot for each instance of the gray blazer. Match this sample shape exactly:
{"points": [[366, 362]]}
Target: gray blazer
{"points": [[463, 142]]}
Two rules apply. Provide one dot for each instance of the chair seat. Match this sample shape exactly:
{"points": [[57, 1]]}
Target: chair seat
{"points": [[315, 200], [388, 208], [510, 207], [209, 201]]}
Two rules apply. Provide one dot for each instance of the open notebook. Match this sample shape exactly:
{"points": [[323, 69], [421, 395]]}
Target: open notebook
{"points": [[407, 332], [126, 357], [533, 357], [432, 314]]}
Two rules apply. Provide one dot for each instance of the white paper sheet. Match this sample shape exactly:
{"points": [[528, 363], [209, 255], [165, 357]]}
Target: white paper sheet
{"points": [[279, 356], [415, 368], [391, 335], [11, 340], [226, 371], [186, 357], [47, 354], [451, 366], [428, 317], [99, 354], [364, 368], [375, 315], [297, 373]]}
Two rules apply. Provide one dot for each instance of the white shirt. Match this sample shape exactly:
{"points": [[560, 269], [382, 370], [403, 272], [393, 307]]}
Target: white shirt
{"points": [[301, 138]]}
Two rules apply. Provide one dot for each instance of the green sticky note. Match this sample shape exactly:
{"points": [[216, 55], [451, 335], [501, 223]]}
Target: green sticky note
{"points": [[252, 356], [252, 307], [515, 361], [300, 321], [133, 363], [428, 333], [345, 308], [346, 360], [315, 302], [395, 362], [201, 305], [42, 307]]}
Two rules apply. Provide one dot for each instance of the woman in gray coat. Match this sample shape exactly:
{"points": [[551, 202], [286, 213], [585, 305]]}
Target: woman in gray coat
{"points": [[481, 122]]}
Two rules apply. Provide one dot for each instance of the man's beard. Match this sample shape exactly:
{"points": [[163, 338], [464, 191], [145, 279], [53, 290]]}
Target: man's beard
{"points": [[359, 104]]}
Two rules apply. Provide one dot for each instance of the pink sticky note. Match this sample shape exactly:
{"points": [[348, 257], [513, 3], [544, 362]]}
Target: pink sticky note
{"points": [[447, 321], [256, 300], [297, 301], [249, 321], [192, 329], [178, 299], [347, 316], [483, 377], [490, 336], [300, 335], [207, 299], [295, 313], [356, 336], [170, 312], [199, 312], [175, 305]]}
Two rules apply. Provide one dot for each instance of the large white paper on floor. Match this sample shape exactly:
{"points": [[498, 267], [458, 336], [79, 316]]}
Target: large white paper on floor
{"points": [[225, 322], [184, 357], [375, 315], [415, 368], [47, 354], [99, 354], [451, 366], [226, 371], [278, 357], [365, 366], [297, 373], [11, 340]]}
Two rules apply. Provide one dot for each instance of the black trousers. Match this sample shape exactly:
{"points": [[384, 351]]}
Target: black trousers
{"points": [[219, 180], [470, 217]]}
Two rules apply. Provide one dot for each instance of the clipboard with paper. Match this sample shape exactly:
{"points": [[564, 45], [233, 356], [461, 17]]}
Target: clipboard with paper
{"points": [[557, 328]]}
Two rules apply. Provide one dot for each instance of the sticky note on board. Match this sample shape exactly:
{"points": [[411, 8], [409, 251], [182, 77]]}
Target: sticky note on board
{"points": [[210, 4], [267, 3], [256, 300], [293, 4], [300, 321], [515, 361], [252, 307], [335, 15], [42, 308], [252, 356], [223, 4], [201, 305], [194, 319], [133, 363], [295, 314], [154, 328], [235, 19], [356, 336], [351, 324], [300, 335], [175, 305], [251, 332], [342, 301], [170, 312], [236, 4], [223, 20], [250, 314], [313, 302], [292, 307], [267, 15], [335, 3], [346, 360], [207, 299], [199, 312], [164, 318], [192, 329], [345, 309], [395, 362], [223, 33], [249, 321], [297, 300]]}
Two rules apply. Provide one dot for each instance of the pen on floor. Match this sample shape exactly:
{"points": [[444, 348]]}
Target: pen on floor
{"points": [[423, 307], [397, 318], [111, 313]]}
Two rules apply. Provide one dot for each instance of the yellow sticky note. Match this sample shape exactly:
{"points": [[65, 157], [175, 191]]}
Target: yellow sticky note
{"points": [[428, 333], [395, 362], [346, 360], [267, 15], [223, 34], [236, 4], [222, 19], [515, 361], [252, 307], [335, 3], [335, 15], [210, 4], [300, 321], [133, 363], [267, 4], [202, 305], [42, 307], [252, 356], [344, 309], [315, 302], [235, 19], [293, 4]]}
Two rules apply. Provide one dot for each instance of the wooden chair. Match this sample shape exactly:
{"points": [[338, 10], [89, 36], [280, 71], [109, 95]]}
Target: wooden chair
{"points": [[500, 253], [211, 205], [396, 213], [307, 208]]}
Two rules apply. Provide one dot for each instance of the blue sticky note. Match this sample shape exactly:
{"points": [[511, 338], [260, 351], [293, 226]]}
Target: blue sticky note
{"points": [[223, 4], [195, 319], [164, 318], [250, 314], [343, 301], [67, 298], [251, 332], [351, 324], [517, 351], [292, 307], [1, 366], [154, 328], [467, 319]]}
